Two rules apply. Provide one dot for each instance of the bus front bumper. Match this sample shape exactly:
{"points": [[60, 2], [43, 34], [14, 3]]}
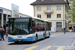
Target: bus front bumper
{"points": [[23, 40]]}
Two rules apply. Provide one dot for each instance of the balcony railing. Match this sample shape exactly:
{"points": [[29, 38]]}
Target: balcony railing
{"points": [[48, 11]]}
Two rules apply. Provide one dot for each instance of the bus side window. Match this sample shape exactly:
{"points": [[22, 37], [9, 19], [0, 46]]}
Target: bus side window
{"points": [[42, 29], [31, 30]]}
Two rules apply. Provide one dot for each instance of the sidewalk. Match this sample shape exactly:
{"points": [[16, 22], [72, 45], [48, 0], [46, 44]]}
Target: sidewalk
{"points": [[5, 38]]}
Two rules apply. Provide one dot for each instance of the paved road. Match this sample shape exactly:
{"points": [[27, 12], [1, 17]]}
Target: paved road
{"points": [[58, 41]]}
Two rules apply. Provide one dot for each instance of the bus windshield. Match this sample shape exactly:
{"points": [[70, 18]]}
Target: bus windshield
{"points": [[18, 27]]}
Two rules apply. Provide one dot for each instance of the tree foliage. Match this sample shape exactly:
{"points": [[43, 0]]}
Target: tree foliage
{"points": [[72, 11]]}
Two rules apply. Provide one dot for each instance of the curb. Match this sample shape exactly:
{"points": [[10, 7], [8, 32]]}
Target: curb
{"points": [[73, 44]]}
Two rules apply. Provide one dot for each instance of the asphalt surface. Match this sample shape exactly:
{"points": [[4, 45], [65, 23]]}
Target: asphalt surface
{"points": [[57, 41]]}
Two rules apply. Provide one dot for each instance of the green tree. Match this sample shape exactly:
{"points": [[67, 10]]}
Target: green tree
{"points": [[72, 11]]}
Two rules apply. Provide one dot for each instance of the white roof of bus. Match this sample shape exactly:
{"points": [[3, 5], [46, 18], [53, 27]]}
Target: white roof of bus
{"points": [[46, 20], [40, 19], [34, 18]]}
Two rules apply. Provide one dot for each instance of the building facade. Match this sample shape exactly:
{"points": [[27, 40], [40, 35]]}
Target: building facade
{"points": [[5, 14], [53, 11]]}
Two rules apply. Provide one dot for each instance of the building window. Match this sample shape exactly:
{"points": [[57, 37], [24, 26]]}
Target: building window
{"points": [[73, 6], [73, 11], [73, 21], [69, 16], [39, 16], [59, 24], [48, 8], [69, 21], [38, 8], [69, 12], [69, 2], [73, 16], [58, 15], [73, 2], [58, 7], [48, 15]]}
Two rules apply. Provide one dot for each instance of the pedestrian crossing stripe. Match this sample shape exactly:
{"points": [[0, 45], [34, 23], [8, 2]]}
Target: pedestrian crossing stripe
{"points": [[46, 48], [60, 48], [30, 48]]}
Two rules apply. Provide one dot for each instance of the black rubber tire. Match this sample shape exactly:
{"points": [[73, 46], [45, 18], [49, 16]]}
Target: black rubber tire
{"points": [[44, 36], [16, 42], [49, 35]]}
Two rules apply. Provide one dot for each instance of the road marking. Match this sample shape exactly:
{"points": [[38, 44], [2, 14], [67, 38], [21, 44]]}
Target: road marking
{"points": [[30, 48], [46, 48], [73, 44], [60, 48]]}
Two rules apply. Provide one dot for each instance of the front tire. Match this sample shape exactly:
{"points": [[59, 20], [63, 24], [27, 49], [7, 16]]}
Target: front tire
{"points": [[16, 42], [44, 36], [49, 35]]}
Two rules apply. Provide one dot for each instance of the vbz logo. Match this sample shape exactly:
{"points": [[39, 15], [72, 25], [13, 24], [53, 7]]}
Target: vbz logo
{"points": [[19, 36]]}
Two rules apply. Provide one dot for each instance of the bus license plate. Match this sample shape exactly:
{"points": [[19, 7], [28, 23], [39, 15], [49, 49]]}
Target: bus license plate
{"points": [[19, 40]]}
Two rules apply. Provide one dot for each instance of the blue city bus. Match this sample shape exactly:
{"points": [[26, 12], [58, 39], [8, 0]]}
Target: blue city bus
{"points": [[22, 29]]}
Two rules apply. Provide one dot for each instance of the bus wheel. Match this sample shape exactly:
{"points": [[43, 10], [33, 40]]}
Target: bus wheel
{"points": [[49, 35], [44, 36], [16, 42]]}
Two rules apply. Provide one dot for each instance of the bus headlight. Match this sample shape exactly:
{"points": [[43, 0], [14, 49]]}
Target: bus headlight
{"points": [[9, 37], [14, 36], [28, 37]]}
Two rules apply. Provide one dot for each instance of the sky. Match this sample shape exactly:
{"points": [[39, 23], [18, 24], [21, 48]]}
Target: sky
{"points": [[24, 5]]}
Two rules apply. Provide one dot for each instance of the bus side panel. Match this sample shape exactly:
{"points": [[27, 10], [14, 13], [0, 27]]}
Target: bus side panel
{"points": [[47, 33], [27, 39], [40, 35], [30, 38]]}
